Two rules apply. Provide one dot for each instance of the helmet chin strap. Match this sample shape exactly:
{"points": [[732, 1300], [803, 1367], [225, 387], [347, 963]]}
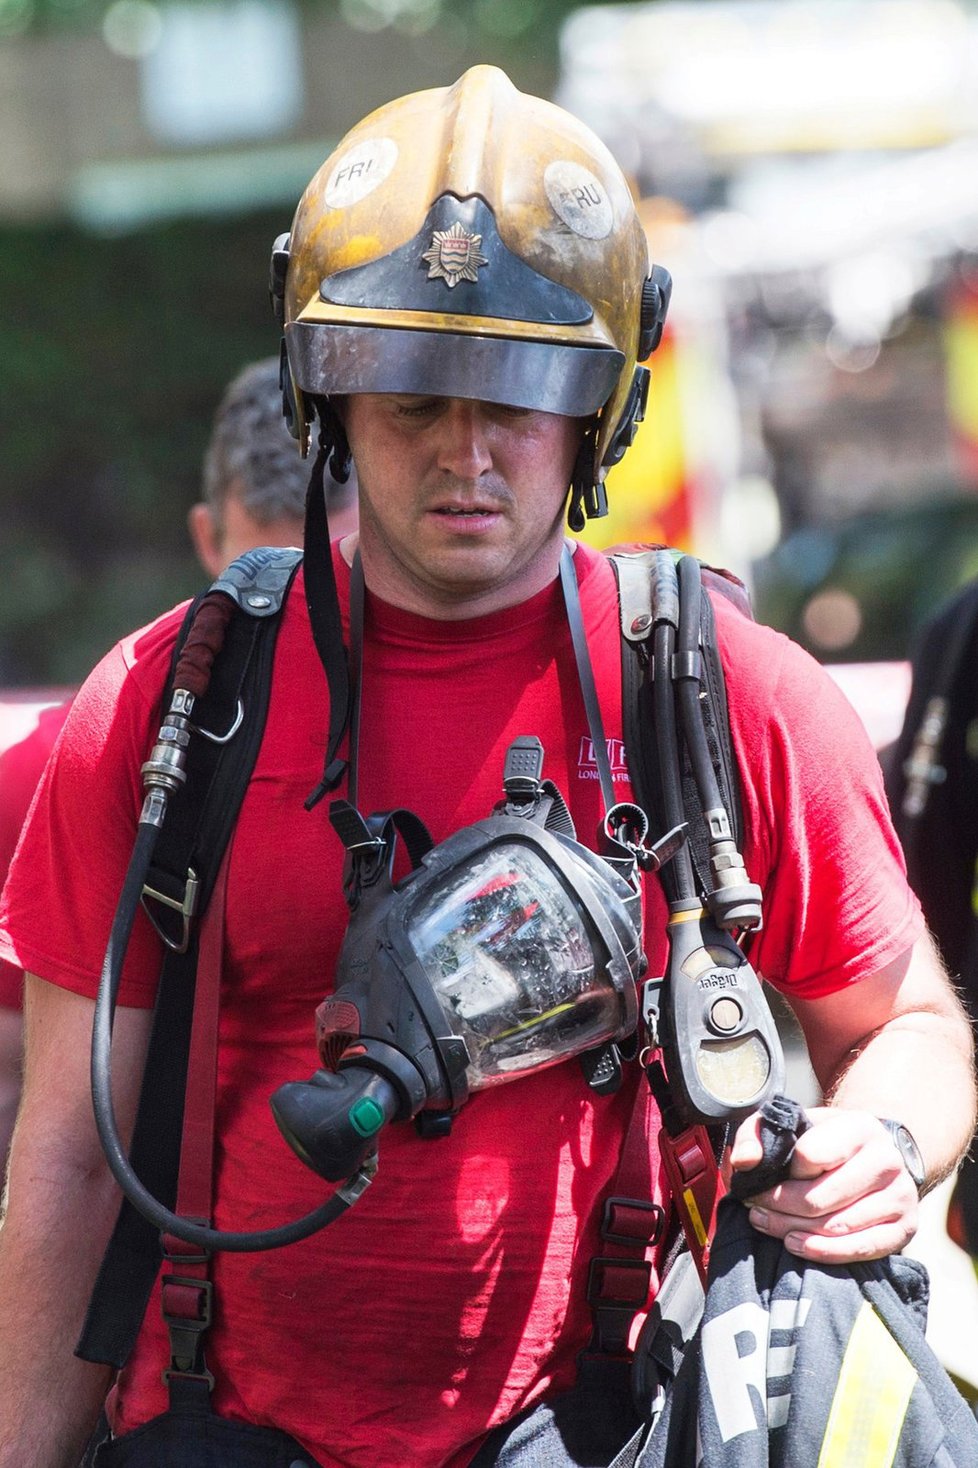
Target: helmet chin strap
{"points": [[323, 603], [589, 499], [332, 437]]}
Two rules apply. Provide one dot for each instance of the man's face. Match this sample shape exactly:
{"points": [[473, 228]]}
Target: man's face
{"points": [[461, 503]]}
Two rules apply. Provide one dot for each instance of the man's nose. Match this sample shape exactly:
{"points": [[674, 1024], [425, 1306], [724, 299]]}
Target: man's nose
{"points": [[464, 448]]}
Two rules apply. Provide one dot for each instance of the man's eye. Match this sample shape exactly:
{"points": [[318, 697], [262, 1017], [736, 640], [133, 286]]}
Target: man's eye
{"points": [[423, 409]]}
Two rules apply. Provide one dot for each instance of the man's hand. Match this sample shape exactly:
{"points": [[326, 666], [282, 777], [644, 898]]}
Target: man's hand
{"points": [[896, 1043], [849, 1196]]}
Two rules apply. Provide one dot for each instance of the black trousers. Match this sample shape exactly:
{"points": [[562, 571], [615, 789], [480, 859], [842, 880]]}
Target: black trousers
{"points": [[585, 1427], [180, 1439]]}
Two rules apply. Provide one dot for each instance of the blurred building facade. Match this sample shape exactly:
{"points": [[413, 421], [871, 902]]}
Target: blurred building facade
{"points": [[806, 171], [207, 106], [824, 153], [151, 154]]}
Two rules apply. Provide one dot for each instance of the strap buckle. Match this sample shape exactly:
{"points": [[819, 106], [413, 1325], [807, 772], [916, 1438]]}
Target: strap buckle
{"points": [[631, 1222], [605, 1288], [181, 1251], [185, 905], [617, 1287], [187, 1305], [617, 1290]]}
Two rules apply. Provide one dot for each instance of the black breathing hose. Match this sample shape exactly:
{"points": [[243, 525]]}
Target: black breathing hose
{"points": [[689, 683], [663, 643], [665, 603], [115, 1152]]}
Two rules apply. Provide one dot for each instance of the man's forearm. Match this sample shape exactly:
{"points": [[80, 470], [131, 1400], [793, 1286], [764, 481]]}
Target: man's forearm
{"points": [[918, 1070], [49, 1252], [11, 1065], [62, 1205], [900, 1045]]}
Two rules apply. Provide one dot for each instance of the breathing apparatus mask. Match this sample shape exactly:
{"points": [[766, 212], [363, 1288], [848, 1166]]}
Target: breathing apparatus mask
{"points": [[507, 948], [510, 946]]}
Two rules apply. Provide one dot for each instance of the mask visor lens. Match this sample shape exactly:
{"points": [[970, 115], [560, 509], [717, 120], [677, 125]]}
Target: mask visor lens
{"points": [[510, 956]]}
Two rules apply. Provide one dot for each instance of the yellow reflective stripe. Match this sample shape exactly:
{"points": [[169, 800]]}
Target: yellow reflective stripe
{"points": [[871, 1398], [695, 1217]]}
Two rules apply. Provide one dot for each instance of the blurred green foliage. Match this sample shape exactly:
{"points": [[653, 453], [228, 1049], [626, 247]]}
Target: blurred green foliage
{"points": [[114, 353]]}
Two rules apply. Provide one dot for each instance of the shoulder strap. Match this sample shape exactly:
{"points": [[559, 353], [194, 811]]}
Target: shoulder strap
{"points": [[230, 719], [635, 572], [230, 723]]}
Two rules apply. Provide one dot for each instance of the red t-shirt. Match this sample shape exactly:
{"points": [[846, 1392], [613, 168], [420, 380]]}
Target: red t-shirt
{"points": [[21, 763], [453, 1294]]}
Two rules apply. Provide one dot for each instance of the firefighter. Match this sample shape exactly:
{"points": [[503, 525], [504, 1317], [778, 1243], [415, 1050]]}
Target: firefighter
{"points": [[466, 294]]}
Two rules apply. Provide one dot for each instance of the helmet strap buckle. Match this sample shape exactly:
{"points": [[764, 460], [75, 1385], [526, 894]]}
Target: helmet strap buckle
{"points": [[588, 499], [632, 415]]}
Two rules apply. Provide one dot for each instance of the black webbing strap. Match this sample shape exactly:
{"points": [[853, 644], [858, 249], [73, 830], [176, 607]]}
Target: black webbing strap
{"points": [[585, 676], [199, 822], [134, 1253], [326, 622]]}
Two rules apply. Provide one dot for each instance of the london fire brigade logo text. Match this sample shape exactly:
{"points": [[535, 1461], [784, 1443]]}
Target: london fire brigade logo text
{"points": [[454, 255], [587, 765]]}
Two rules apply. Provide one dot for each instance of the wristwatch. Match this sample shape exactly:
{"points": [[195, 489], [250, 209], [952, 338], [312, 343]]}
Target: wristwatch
{"points": [[908, 1150]]}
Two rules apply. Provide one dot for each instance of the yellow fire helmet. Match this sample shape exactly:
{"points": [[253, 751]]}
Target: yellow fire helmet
{"points": [[472, 241]]}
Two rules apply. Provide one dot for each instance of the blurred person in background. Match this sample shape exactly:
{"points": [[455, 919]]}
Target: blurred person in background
{"points": [[932, 784], [254, 481], [254, 488]]}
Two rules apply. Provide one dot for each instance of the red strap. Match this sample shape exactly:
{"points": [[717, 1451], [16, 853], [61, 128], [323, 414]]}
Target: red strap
{"points": [[186, 1293], [622, 1276], [696, 1186], [196, 1181]]}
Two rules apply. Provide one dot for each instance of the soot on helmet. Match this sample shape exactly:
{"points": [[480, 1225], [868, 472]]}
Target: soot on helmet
{"points": [[508, 947]]}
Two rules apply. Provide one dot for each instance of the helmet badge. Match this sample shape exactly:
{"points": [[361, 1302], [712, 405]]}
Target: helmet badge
{"points": [[454, 255]]}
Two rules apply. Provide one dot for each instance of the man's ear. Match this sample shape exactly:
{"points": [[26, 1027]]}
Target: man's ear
{"points": [[206, 538]]}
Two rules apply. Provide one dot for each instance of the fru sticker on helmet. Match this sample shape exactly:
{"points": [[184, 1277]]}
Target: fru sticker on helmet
{"points": [[579, 198], [360, 170]]}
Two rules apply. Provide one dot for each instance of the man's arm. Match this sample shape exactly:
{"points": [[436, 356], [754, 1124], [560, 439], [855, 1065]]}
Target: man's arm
{"points": [[11, 1065], [895, 1045], [61, 1208]]}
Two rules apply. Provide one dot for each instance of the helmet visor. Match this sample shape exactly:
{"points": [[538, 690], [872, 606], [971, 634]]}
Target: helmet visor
{"points": [[548, 377]]}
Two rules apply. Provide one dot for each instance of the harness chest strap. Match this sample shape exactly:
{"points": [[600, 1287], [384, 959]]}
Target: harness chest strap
{"points": [[631, 1226]]}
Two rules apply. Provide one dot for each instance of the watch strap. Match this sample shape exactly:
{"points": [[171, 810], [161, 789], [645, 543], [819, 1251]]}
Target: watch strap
{"points": [[909, 1151]]}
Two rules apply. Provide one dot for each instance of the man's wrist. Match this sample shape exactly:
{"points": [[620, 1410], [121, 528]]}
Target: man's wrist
{"points": [[905, 1144]]}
